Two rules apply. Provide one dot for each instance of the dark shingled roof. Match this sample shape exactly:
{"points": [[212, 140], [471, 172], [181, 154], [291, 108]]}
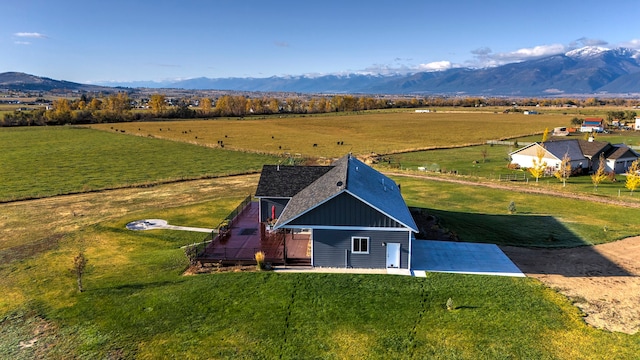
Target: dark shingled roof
{"points": [[593, 148], [577, 148], [622, 152], [286, 181], [561, 147]]}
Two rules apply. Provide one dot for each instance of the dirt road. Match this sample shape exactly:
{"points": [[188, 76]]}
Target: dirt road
{"points": [[602, 280]]}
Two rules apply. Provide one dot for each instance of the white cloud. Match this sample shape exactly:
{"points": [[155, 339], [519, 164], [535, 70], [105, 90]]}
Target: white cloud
{"points": [[482, 51], [633, 44], [22, 43], [484, 57], [34, 35], [435, 66], [531, 53], [583, 41]]}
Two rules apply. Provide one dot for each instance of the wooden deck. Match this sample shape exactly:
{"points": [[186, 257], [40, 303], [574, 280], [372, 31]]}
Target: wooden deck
{"points": [[247, 236]]}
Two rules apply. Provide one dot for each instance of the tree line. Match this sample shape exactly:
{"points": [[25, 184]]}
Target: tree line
{"points": [[120, 107]]}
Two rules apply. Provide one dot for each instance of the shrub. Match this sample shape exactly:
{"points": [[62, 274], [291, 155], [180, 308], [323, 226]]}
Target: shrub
{"points": [[450, 304], [191, 252], [259, 260]]}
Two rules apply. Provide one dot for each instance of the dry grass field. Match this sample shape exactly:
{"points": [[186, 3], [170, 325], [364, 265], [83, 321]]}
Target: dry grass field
{"points": [[27, 226], [333, 136]]}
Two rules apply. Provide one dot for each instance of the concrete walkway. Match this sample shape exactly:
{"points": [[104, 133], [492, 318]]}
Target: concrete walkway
{"points": [[152, 224], [440, 256], [326, 270]]}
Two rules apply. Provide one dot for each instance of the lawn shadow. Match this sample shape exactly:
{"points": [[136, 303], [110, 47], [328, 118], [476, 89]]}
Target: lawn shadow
{"points": [[536, 244], [134, 286]]}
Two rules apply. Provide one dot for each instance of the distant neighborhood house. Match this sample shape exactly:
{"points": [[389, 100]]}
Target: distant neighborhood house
{"points": [[584, 155], [637, 124], [560, 131], [356, 216], [592, 125]]}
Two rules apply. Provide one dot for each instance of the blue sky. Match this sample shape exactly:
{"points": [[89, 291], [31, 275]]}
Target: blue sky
{"points": [[97, 41]]}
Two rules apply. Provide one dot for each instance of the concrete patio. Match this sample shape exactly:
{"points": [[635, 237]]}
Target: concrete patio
{"points": [[460, 257]]}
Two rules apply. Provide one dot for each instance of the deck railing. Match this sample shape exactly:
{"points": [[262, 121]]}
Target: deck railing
{"points": [[221, 231], [237, 211], [225, 253]]}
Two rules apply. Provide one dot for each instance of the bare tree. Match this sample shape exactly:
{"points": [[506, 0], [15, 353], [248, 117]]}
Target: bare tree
{"points": [[484, 153], [539, 165], [633, 177], [600, 175], [564, 172], [79, 265]]}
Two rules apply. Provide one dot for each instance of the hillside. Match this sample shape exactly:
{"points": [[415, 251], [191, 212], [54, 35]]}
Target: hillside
{"points": [[26, 82]]}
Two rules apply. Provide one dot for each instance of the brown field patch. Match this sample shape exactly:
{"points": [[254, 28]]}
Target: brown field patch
{"points": [[336, 135], [602, 280], [29, 226]]}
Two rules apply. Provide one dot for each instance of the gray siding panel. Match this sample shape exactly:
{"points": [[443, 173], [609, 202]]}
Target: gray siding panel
{"points": [[330, 246], [267, 203], [346, 210]]}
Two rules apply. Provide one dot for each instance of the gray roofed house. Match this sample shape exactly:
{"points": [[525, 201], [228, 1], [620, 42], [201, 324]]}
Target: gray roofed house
{"points": [[621, 158], [584, 154], [356, 216]]}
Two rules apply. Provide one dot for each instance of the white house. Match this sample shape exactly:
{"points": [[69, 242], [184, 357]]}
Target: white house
{"points": [[553, 154], [637, 125], [592, 125], [584, 155]]}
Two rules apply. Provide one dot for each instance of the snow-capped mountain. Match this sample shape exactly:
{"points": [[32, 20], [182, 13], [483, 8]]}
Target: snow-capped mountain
{"points": [[584, 71], [587, 51]]}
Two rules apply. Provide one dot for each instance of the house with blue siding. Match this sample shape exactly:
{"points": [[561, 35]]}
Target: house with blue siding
{"points": [[356, 216]]}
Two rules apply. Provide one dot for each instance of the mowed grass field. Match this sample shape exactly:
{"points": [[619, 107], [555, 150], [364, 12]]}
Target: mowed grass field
{"points": [[46, 161], [137, 303], [337, 135]]}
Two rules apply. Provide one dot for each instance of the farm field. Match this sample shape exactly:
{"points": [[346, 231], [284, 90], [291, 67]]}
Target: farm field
{"points": [[334, 136], [137, 303], [47, 161]]}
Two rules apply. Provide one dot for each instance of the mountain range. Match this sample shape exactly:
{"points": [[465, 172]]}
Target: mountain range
{"points": [[584, 71]]}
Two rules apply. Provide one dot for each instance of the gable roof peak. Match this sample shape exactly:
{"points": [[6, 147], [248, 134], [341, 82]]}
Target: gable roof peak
{"points": [[358, 179]]}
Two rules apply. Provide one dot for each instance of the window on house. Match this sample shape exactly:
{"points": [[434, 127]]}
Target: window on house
{"points": [[360, 245]]}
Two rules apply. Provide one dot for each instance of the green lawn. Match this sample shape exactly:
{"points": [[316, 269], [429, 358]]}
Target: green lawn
{"points": [[464, 161], [137, 305], [39, 162]]}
